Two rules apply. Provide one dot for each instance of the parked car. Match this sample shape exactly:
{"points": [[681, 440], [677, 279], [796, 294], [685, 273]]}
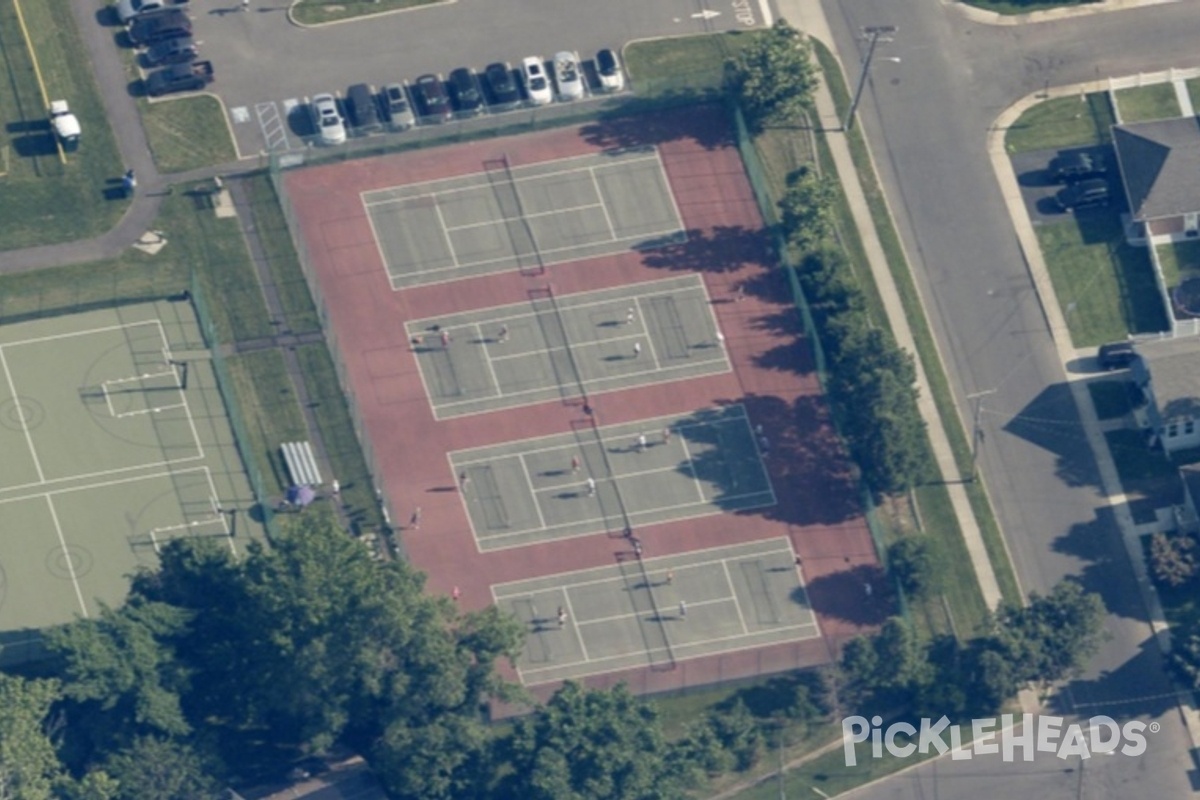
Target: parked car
{"points": [[567, 76], [464, 92], [65, 125], [362, 108], [150, 29], [172, 51], [179, 78], [1092, 192], [128, 9], [397, 111], [502, 87], [1116, 355], [1077, 166], [328, 120], [537, 85], [608, 67], [433, 104]]}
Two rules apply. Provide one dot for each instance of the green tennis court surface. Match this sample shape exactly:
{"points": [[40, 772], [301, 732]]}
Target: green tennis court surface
{"points": [[565, 346], [536, 490], [525, 217], [115, 441], [630, 614]]}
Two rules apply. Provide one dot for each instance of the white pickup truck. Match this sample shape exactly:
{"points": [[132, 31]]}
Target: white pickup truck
{"points": [[65, 125], [128, 9]]}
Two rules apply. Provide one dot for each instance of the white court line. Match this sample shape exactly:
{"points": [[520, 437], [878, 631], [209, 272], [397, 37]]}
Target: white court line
{"points": [[101, 485], [589, 520], [575, 624], [112, 412], [687, 454], [612, 232], [485, 185], [545, 250], [487, 358], [81, 476], [187, 410], [670, 192], [155, 410], [67, 555], [503, 220], [455, 469], [676, 647], [780, 545], [733, 594], [578, 346], [716, 326], [627, 428], [637, 301], [637, 614], [532, 491], [21, 414], [87, 332], [212, 488], [614, 478], [445, 233]]}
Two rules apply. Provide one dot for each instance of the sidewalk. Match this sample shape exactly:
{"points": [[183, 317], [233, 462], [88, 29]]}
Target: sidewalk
{"points": [[807, 16]]}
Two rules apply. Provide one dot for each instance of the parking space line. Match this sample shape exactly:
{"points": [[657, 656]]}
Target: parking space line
{"points": [[274, 130]]}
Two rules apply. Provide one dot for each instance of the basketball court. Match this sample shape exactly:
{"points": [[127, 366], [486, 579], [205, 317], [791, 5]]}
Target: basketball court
{"points": [[653, 612], [116, 442], [525, 217]]}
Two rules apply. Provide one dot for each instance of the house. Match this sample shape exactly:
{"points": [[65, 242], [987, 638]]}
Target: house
{"points": [[1159, 162], [1166, 380]]}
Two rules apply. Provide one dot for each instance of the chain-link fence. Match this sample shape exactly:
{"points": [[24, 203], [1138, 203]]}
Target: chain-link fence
{"points": [[225, 385]]}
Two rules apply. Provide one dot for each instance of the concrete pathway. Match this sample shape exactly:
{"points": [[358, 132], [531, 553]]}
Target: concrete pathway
{"points": [[807, 16]]}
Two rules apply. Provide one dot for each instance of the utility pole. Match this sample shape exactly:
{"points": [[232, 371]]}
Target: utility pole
{"points": [[875, 33], [976, 431]]}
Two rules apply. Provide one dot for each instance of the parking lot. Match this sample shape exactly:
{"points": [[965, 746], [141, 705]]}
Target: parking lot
{"points": [[267, 67]]}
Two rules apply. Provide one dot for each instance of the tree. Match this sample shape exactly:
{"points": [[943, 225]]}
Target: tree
{"points": [[154, 768], [1185, 654], [446, 759], [806, 209], [1051, 638], [773, 77], [737, 731], [587, 744], [29, 764], [919, 564], [1173, 558], [122, 673]]}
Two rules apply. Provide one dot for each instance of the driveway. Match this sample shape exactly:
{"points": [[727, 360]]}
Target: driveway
{"points": [[266, 66]]}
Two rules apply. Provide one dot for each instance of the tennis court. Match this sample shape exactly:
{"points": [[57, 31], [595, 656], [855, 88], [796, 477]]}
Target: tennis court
{"points": [[570, 346], [614, 478], [657, 611], [523, 217], [116, 441]]}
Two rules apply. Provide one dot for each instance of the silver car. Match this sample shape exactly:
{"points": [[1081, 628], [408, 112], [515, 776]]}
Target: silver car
{"points": [[328, 120], [568, 76], [397, 110]]}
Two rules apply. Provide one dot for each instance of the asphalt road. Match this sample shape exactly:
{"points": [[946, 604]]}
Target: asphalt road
{"points": [[261, 59], [927, 119]]}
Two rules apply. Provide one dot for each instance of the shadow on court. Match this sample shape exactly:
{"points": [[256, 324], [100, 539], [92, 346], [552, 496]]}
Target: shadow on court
{"points": [[727, 248], [842, 595], [711, 130]]}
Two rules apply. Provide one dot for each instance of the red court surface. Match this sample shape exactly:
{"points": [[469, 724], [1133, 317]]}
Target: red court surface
{"points": [[772, 377]]}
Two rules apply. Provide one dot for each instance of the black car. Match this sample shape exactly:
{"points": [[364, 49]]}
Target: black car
{"points": [[160, 26], [501, 85], [433, 104], [1116, 355], [1077, 166], [362, 108], [464, 91], [1092, 192], [172, 51], [179, 78]]}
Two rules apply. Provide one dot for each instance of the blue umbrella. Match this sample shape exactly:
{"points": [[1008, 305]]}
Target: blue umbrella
{"points": [[301, 495]]}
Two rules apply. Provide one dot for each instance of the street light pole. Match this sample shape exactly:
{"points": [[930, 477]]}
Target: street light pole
{"points": [[875, 32], [976, 432]]}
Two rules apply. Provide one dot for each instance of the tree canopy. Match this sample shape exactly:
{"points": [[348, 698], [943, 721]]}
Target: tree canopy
{"points": [[773, 77]]}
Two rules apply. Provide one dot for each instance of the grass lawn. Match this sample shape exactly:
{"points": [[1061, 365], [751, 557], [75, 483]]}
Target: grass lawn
{"points": [[1062, 122], [42, 199], [1177, 258], [685, 65], [1142, 471], [1105, 286], [299, 313], [827, 775], [314, 12], [1110, 398], [271, 412], [187, 133], [1193, 87], [1143, 103]]}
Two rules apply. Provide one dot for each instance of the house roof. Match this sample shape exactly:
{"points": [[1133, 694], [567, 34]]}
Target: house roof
{"points": [[1174, 367], [1160, 164]]}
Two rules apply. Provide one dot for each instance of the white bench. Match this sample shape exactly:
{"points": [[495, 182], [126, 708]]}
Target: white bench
{"points": [[301, 463]]}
